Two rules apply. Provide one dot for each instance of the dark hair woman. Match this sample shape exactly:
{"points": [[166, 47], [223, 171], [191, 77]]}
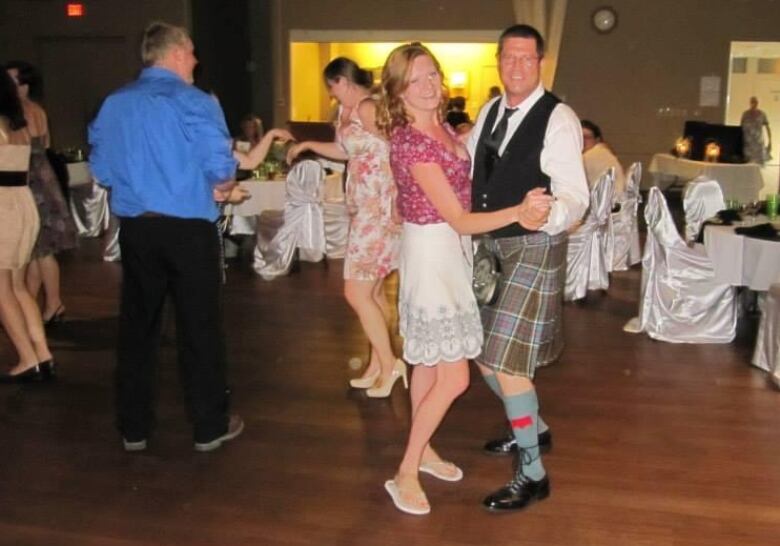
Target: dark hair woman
{"points": [[57, 232], [372, 246], [19, 224]]}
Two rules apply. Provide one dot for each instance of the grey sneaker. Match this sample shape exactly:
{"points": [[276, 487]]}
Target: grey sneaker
{"points": [[140, 445], [235, 427]]}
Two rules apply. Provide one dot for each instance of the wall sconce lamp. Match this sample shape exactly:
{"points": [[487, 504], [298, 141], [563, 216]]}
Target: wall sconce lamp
{"points": [[458, 80]]}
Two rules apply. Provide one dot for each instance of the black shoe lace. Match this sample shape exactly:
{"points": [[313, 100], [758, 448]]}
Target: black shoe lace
{"points": [[524, 458]]}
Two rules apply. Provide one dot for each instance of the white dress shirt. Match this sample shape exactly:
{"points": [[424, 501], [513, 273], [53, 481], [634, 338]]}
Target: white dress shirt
{"points": [[597, 160], [561, 157]]}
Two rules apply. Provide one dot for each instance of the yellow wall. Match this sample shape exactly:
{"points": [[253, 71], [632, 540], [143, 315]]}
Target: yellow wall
{"points": [[306, 80], [477, 61]]}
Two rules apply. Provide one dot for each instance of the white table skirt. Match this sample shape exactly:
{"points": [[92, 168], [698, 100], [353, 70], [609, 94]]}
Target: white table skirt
{"points": [[740, 260], [742, 182], [270, 195]]}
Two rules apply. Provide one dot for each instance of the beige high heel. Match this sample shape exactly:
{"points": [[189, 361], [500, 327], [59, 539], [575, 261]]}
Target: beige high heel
{"points": [[384, 390], [364, 382]]}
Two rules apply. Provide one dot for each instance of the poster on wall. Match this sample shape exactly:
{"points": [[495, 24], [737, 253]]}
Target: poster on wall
{"points": [[709, 91]]}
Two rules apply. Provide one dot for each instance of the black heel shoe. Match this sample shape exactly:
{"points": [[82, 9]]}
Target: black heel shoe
{"points": [[30, 375], [58, 316], [47, 368]]}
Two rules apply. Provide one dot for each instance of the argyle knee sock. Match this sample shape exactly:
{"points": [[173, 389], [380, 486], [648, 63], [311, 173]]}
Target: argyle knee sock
{"points": [[522, 410]]}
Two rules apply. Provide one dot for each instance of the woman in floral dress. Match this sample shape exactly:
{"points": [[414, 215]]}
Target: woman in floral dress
{"points": [[372, 246]]}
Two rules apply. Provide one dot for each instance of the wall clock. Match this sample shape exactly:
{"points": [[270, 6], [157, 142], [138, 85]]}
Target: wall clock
{"points": [[604, 19]]}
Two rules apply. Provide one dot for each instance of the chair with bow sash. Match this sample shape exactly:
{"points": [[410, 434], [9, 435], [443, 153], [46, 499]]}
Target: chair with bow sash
{"points": [[586, 260], [679, 301], [703, 199], [88, 201], [623, 248], [302, 227], [766, 354]]}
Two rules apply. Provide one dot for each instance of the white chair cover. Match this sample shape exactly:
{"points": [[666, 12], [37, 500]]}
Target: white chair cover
{"points": [[623, 246], [111, 251], [703, 199], [336, 217], [89, 208], [679, 301], [303, 225], [766, 354], [586, 260]]}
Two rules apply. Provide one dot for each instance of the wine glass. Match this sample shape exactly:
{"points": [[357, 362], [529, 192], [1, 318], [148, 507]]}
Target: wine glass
{"points": [[751, 209]]}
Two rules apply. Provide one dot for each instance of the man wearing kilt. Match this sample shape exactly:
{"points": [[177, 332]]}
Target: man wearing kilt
{"points": [[524, 142]]}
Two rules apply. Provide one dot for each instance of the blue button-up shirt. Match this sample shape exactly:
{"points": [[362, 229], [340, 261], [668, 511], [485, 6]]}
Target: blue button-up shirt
{"points": [[161, 145]]}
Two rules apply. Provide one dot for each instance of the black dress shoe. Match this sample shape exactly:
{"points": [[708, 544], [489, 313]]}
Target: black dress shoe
{"points": [[30, 375], [517, 494], [508, 444], [47, 369]]}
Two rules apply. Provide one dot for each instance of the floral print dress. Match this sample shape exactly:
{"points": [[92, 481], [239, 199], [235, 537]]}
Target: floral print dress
{"points": [[373, 243]]}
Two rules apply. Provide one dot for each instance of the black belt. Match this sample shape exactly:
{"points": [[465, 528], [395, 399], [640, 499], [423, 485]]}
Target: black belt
{"points": [[13, 178]]}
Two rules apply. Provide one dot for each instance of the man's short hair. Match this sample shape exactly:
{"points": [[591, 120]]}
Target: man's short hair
{"points": [[522, 31], [159, 37]]}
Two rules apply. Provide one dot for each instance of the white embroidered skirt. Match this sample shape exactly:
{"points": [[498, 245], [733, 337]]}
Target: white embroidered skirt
{"points": [[438, 315]]}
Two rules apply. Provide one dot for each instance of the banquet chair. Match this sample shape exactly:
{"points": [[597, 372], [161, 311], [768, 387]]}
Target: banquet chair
{"points": [[336, 218], [623, 248], [111, 251], [586, 260], [89, 208], [679, 300], [702, 199], [302, 226], [766, 354]]}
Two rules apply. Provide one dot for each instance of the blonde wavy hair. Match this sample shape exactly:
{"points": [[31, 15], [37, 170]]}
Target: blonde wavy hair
{"points": [[390, 111]]}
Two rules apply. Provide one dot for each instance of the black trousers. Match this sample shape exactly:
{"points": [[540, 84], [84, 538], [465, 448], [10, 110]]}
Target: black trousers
{"points": [[180, 257]]}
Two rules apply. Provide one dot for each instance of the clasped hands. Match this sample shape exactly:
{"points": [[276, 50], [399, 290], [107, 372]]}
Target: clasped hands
{"points": [[534, 210], [230, 192], [294, 151]]}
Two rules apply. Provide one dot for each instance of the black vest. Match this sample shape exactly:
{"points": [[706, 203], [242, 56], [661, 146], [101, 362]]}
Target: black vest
{"points": [[518, 170]]}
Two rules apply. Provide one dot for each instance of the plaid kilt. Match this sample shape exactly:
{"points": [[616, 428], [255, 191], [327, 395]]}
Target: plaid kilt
{"points": [[526, 316]]}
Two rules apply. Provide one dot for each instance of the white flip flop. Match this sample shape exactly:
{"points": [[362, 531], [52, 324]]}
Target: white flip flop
{"points": [[431, 468], [395, 494]]}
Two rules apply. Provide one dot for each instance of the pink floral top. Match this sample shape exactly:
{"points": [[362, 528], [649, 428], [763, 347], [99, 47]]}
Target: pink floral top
{"points": [[409, 146]]}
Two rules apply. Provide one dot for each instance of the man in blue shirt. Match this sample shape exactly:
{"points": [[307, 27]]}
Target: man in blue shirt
{"points": [[162, 147]]}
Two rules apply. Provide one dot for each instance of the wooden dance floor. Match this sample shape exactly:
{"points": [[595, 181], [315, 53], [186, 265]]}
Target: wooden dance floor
{"points": [[654, 444]]}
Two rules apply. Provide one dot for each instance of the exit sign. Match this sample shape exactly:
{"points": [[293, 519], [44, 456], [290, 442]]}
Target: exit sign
{"points": [[74, 9]]}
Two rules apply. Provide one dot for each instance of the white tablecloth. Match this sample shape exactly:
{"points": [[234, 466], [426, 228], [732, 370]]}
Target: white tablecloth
{"points": [[740, 260], [270, 195], [738, 181], [79, 174]]}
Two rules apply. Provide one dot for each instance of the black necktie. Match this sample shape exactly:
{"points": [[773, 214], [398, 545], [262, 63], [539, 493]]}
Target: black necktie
{"points": [[493, 142]]}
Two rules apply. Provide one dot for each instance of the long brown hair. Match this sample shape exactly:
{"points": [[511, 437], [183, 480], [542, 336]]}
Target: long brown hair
{"points": [[390, 111]]}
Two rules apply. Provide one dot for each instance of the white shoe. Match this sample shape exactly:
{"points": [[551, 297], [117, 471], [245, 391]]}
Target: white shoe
{"points": [[384, 390], [395, 494], [438, 469], [364, 382]]}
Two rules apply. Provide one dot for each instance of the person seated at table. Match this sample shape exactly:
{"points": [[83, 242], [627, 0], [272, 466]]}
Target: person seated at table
{"points": [[456, 112], [598, 157], [250, 134], [250, 159]]}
